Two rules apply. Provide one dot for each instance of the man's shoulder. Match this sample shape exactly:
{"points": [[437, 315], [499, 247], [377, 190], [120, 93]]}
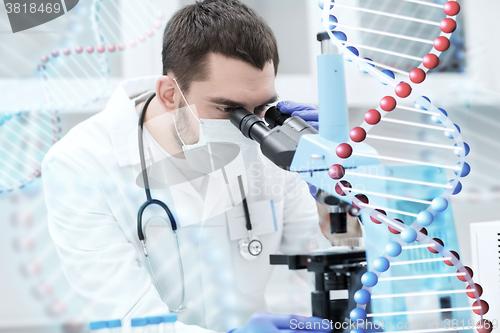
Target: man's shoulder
{"points": [[86, 141], [103, 139]]}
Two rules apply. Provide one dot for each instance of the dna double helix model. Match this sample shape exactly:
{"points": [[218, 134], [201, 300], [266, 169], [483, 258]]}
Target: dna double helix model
{"points": [[404, 40], [71, 79]]}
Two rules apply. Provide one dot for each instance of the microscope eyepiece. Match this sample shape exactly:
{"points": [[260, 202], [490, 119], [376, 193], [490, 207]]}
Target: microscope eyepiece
{"points": [[277, 143], [274, 117], [249, 124]]}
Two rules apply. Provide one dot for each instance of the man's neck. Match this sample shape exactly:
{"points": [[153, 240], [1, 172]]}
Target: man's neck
{"points": [[160, 128]]}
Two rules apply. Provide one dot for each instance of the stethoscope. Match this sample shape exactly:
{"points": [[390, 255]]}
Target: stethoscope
{"points": [[249, 247]]}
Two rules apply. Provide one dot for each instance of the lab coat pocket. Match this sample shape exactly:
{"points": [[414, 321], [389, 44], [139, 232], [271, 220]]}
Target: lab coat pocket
{"points": [[267, 222]]}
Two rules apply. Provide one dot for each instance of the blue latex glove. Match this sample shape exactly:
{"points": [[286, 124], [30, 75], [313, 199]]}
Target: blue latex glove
{"points": [[312, 189], [307, 112], [263, 322]]}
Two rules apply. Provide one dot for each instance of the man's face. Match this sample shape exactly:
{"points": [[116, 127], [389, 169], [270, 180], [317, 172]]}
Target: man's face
{"points": [[231, 84]]}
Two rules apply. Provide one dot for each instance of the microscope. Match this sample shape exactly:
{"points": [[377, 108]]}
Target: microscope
{"points": [[337, 272]]}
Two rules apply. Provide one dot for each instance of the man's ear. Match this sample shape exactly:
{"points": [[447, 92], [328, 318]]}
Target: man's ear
{"points": [[166, 93]]}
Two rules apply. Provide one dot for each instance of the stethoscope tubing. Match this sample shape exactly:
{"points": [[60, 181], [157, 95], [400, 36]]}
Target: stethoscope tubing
{"points": [[150, 201]]}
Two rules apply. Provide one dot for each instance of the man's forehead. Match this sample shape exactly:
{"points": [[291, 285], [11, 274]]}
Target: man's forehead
{"points": [[233, 82], [224, 69]]}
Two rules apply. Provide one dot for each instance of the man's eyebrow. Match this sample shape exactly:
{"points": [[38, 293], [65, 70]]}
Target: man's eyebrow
{"points": [[271, 100], [231, 103]]}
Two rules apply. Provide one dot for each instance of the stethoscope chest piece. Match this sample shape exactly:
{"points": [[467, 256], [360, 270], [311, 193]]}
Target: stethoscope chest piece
{"points": [[250, 248]]}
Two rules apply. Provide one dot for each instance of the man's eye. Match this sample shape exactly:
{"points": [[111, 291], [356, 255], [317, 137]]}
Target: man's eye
{"points": [[257, 110], [226, 109]]}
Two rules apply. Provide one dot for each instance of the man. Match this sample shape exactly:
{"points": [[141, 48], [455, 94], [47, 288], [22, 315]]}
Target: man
{"points": [[218, 55]]}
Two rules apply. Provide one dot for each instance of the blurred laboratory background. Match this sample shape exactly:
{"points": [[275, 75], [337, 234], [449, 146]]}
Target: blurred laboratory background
{"points": [[34, 292]]}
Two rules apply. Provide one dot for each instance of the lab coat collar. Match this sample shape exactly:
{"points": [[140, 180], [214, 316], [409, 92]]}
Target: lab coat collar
{"points": [[122, 119]]}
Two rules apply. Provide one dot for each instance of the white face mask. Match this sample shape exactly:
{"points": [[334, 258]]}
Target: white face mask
{"points": [[220, 143]]}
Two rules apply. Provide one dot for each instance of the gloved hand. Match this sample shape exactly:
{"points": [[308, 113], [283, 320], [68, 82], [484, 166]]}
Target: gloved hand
{"points": [[313, 190], [264, 322], [304, 111]]}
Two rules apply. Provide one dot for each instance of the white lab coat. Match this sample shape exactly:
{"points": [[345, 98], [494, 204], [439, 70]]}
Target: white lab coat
{"points": [[92, 200]]}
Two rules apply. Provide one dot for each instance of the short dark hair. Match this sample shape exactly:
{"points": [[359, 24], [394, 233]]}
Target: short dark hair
{"points": [[226, 27]]}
